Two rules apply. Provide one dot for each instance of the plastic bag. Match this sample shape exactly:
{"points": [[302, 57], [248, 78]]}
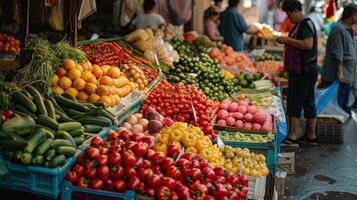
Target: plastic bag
{"points": [[56, 17]]}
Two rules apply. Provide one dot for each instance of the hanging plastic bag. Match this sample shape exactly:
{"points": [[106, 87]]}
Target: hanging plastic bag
{"points": [[56, 17]]}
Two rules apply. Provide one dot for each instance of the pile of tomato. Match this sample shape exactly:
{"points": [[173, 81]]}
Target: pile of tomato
{"points": [[183, 103], [150, 74], [127, 161], [103, 53], [9, 44], [6, 115]]}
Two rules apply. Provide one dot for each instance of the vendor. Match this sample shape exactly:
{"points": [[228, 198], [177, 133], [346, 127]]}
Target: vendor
{"points": [[300, 61], [150, 18], [340, 56], [233, 25], [211, 17]]}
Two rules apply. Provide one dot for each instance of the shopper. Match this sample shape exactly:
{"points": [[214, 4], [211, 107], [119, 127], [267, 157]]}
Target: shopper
{"points": [[341, 55], [279, 16], [150, 18], [286, 26], [300, 61], [218, 5], [233, 25], [316, 17], [211, 21]]}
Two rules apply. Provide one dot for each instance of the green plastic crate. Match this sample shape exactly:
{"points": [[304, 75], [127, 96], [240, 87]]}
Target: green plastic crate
{"points": [[133, 107]]}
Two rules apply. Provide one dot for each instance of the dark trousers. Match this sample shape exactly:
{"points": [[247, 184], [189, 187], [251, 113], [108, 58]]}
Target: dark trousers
{"points": [[343, 94]]}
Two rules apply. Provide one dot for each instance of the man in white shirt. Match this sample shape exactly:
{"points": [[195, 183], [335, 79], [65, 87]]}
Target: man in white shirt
{"points": [[316, 18], [150, 18]]}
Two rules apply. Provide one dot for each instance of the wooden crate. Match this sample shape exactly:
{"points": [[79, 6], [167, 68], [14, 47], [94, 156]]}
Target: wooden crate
{"points": [[287, 162]]}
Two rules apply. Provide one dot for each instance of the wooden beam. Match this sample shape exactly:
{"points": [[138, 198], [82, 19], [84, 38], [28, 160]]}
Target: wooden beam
{"points": [[73, 20], [26, 20]]}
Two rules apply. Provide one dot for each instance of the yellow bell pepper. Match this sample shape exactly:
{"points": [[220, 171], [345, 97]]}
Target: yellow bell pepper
{"points": [[176, 135], [163, 138], [191, 150], [206, 153], [160, 147], [203, 143], [189, 139]]}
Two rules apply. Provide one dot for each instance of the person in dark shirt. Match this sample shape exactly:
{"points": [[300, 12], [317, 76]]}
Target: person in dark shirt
{"points": [[300, 61], [233, 25], [340, 56]]}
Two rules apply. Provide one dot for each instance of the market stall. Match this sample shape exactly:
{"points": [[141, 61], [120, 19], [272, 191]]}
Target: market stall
{"points": [[151, 115]]}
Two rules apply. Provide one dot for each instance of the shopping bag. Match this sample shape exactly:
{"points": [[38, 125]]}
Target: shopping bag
{"points": [[56, 17]]}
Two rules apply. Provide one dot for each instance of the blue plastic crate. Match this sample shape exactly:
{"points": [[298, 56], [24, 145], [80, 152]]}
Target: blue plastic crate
{"points": [[38, 180], [267, 149], [70, 192]]}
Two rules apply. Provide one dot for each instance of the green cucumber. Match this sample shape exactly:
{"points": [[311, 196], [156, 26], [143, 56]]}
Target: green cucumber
{"points": [[63, 116], [8, 155], [16, 143], [24, 101], [50, 133], [65, 135], [99, 120], [99, 104], [74, 113], [47, 122], [38, 160], [44, 146], [68, 126], [17, 155], [107, 115], [41, 109], [33, 91], [4, 135], [27, 94], [70, 97], [20, 108], [66, 103], [35, 140], [21, 113], [65, 150], [55, 104], [50, 154], [59, 160], [77, 132], [89, 105], [50, 109], [79, 140], [61, 142], [26, 158], [93, 128]]}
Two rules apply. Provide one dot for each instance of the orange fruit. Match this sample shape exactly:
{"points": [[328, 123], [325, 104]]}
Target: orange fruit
{"points": [[115, 82], [97, 71], [79, 84], [57, 90], [86, 75], [114, 72], [105, 69], [93, 98], [84, 66], [105, 80], [54, 80], [117, 98], [110, 89], [73, 74], [61, 72], [91, 88], [93, 80], [102, 90], [131, 85], [79, 67], [72, 91], [82, 96], [113, 100], [65, 82], [106, 100], [69, 64]]}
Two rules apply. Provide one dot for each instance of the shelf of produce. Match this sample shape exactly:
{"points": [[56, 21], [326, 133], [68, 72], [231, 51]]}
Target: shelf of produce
{"points": [[267, 149], [37, 180], [70, 192]]}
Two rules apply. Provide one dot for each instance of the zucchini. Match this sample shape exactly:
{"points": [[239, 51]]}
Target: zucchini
{"points": [[43, 147], [70, 97], [24, 101], [50, 154], [55, 104], [4, 135], [16, 143], [59, 160], [65, 150], [107, 115], [99, 104], [19, 107], [99, 120], [36, 139], [63, 116], [17, 155], [74, 113], [38, 160], [68, 126], [50, 133], [33, 91], [61, 142], [21, 113], [66, 136], [76, 132], [50, 109], [89, 105], [26, 158], [92, 128], [41, 109], [79, 140], [27, 94], [47, 122], [66, 103], [8, 155]]}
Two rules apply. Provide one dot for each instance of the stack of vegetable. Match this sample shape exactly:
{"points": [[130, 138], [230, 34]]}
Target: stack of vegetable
{"points": [[8, 44], [103, 53]]}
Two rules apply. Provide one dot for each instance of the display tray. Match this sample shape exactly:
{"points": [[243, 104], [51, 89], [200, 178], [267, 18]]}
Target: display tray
{"points": [[236, 129], [41, 181], [253, 144], [70, 192]]}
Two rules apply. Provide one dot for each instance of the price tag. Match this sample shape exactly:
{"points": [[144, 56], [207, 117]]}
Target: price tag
{"points": [[158, 63], [241, 166], [220, 142], [180, 154], [194, 112]]}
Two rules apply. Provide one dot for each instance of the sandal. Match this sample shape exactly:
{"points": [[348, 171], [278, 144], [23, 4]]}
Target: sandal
{"points": [[305, 139], [290, 143]]}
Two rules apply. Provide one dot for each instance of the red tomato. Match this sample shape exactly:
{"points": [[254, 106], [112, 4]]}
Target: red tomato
{"points": [[92, 153], [96, 184], [130, 171], [8, 113], [140, 149], [129, 158], [119, 185], [174, 196], [83, 182], [108, 183], [167, 162], [91, 173], [103, 160], [117, 171], [183, 191], [71, 177], [115, 159], [198, 190], [78, 169], [103, 171], [133, 182], [158, 158], [150, 192], [169, 182], [162, 193], [174, 172]]}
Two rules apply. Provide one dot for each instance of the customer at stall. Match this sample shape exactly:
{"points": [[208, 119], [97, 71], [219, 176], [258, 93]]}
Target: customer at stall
{"points": [[211, 21], [150, 18], [316, 17], [340, 56], [279, 16], [233, 25], [218, 5], [300, 61]]}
